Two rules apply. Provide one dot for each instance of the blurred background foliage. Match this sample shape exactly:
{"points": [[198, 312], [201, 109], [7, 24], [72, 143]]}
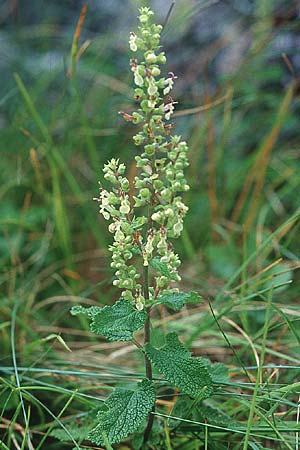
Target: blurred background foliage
{"points": [[238, 69]]}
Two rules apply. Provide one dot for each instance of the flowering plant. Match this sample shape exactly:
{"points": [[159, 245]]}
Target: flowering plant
{"points": [[145, 218], [146, 215]]}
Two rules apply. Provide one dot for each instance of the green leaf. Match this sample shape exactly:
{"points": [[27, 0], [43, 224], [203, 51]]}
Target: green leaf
{"points": [[90, 312], [117, 322], [189, 374], [162, 267], [214, 416], [123, 412], [177, 300], [219, 373]]}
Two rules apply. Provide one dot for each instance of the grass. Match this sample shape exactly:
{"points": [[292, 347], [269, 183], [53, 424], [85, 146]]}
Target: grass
{"points": [[240, 248]]}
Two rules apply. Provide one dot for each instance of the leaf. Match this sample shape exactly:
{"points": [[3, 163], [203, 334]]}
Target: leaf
{"points": [[214, 416], [177, 300], [162, 267], [122, 413], [90, 312], [117, 322], [189, 374], [219, 373]]}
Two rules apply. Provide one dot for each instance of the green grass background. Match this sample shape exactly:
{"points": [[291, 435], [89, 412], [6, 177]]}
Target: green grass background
{"points": [[238, 94]]}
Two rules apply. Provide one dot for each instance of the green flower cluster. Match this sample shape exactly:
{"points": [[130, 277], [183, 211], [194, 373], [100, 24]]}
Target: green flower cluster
{"points": [[146, 215]]}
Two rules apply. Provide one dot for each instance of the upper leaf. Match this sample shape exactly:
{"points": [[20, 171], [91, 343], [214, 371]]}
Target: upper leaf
{"points": [[177, 300], [117, 322], [189, 374], [122, 413]]}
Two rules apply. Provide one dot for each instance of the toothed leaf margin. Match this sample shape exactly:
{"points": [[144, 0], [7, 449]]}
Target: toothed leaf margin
{"points": [[123, 412], [189, 374], [117, 322]]}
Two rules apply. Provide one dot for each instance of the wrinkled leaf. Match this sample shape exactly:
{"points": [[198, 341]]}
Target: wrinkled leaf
{"points": [[189, 374], [177, 300], [217, 371], [90, 312], [122, 413], [117, 322]]}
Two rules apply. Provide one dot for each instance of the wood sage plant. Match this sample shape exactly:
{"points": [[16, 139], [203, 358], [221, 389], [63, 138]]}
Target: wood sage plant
{"points": [[144, 219]]}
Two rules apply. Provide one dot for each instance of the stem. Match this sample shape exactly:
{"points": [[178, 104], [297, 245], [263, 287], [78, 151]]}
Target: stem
{"points": [[147, 330], [146, 340], [148, 366]]}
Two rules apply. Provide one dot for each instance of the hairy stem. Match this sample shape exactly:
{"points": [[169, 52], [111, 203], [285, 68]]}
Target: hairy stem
{"points": [[147, 333]]}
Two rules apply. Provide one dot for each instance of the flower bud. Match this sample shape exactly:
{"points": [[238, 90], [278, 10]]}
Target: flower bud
{"points": [[169, 212], [178, 165], [138, 139], [132, 42], [137, 118], [177, 228], [151, 58], [143, 18], [169, 174], [127, 255], [145, 193], [172, 155], [112, 227], [127, 284], [166, 194], [158, 185], [145, 106], [155, 71], [162, 58], [150, 149], [138, 93], [125, 207], [138, 79], [152, 89], [124, 183]]}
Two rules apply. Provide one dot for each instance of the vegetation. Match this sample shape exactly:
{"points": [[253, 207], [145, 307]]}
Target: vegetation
{"points": [[235, 307]]}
